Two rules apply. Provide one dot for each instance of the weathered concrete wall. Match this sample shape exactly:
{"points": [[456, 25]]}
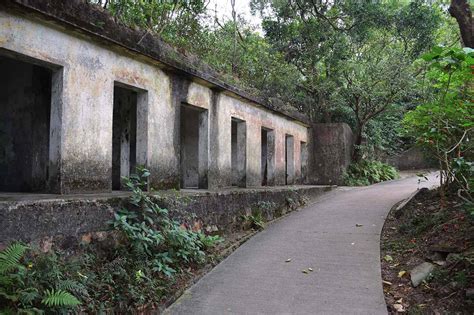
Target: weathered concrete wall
{"points": [[331, 149], [30, 220], [255, 119], [88, 74], [85, 72], [412, 159]]}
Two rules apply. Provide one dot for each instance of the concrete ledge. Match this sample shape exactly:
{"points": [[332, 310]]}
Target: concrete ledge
{"points": [[31, 217]]}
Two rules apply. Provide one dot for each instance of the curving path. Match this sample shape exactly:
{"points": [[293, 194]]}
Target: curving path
{"points": [[255, 279]]}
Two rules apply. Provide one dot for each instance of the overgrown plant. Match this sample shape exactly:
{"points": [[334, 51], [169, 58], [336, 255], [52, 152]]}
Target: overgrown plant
{"points": [[20, 290], [165, 243], [368, 172], [444, 123], [255, 220]]}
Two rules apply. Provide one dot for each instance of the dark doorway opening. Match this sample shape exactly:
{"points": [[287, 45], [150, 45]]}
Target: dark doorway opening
{"points": [[239, 153], [124, 135], [194, 147], [25, 123]]}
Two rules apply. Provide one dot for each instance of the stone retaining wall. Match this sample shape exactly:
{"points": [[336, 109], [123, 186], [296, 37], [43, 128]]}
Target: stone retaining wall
{"points": [[216, 212]]}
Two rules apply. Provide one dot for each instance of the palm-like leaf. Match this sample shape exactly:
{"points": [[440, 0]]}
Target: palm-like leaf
{"points": [[59, 298], [10, 257]]}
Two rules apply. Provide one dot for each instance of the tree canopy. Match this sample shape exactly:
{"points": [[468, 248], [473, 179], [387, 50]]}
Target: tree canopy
{"points": [[335, 61]]}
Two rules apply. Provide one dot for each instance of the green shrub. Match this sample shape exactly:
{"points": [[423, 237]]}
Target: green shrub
{"points": [[151, 231], [24, 288], [443, 123], [367, 172], [135, 272], [255, 220]]}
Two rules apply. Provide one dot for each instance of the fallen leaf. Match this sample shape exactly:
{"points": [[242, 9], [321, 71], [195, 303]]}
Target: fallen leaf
{"points": [[399, 308], [288, 260], [388, 258], [310, 269], [304, 271], [401, 273], [359, 225], [399, 301]]}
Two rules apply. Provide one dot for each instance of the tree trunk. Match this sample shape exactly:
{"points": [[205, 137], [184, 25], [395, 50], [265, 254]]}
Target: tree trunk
{"points": [[461, 11]]}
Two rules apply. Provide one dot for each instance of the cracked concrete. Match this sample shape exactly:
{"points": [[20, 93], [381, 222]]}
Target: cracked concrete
{"points": [[345, 258]]}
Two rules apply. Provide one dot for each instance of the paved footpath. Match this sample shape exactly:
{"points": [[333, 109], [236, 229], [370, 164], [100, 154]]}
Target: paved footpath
{"points": [[255, 279]]}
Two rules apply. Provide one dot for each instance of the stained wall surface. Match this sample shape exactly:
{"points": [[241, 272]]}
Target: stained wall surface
{"points": [[84, 76]]}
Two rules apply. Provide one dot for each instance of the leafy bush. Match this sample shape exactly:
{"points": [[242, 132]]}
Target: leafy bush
{"points": [[21, 288], [255, 220], [443, 123], [369, 172], [151, 232], [150, 253]]}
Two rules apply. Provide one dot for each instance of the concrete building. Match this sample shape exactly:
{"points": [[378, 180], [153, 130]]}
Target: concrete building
{"points": [[83, 100]]}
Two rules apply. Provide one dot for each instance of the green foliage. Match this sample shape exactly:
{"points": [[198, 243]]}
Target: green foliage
{"points": [[24, 287], [355, 58], [443, 123], [164, 242], [368, 172], [415, 225], [158, 16], [10, 257], [255, 220], [55, 298], [136, 271]]}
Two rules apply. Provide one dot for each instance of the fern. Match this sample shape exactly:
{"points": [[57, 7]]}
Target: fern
{"points": [[55, 298], [28, 296], [72, 286], [10, 257]]}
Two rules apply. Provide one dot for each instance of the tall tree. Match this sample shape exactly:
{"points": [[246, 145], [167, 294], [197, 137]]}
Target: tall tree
{"points": [[350, 53]]}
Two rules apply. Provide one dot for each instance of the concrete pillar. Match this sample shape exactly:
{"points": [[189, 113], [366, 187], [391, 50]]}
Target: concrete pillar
{"points": [[203, 149], [55, 132], [303, 162], [290, 159], [239, 153], [280, 158]]}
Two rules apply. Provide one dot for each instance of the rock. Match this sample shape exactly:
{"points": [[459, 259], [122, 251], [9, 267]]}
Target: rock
{"points": [[420, 273], [399, 308]]}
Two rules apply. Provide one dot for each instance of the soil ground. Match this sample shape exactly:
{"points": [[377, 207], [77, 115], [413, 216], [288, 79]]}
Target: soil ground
{"points": [[422, 231]]}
